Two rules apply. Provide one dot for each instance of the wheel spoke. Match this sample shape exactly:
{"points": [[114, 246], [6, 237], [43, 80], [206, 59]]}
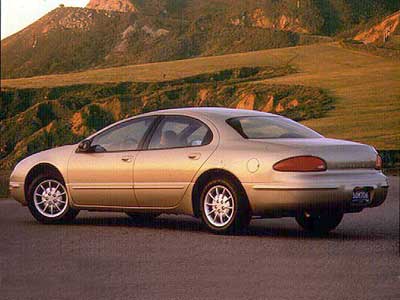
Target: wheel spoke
{"points": [[228, 199], [41, 202], [210, 212], [221, 218], [56, 205], [211, 196]]}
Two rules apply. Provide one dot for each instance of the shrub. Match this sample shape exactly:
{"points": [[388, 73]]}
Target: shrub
{"points": [[96, 118], [45, 113]]}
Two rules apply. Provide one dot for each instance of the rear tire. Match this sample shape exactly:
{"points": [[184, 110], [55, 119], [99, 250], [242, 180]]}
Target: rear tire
{"points": [[48, 200], [319, 222], [224, 207]]}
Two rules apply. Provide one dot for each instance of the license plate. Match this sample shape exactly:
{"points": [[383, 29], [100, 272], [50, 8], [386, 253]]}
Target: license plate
{"points": [[360, 195]]}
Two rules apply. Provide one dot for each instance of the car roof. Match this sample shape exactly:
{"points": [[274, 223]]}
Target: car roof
{"points": [[212, 112]]}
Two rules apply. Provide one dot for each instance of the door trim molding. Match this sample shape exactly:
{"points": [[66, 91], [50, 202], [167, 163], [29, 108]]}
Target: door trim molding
{"points": [[101, 186], [126, 186], [163, 185]]}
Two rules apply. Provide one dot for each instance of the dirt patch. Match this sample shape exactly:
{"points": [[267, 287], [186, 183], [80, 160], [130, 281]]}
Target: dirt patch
{"points": [[203, 94], [260, 20], [269, 106], [113, 106], [279, 108], [293, 103], [77, 124], [286, 23], [380, 32], [246, 101]]}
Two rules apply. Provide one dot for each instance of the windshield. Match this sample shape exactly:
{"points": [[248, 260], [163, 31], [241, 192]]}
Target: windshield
{"points": [[270, 128]]}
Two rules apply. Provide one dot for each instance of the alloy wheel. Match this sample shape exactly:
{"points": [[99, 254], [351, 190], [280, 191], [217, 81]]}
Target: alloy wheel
{"points": [[50, 198], [219, 206]]}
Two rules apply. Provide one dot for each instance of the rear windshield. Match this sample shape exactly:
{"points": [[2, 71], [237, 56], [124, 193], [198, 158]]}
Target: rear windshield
{"points": [[270, 128]]}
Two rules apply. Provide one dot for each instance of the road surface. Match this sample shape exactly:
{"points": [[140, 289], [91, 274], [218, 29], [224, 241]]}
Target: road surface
{"points": [[107, 256]]}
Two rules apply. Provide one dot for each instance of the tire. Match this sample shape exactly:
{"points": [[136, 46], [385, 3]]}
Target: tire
{"points": [[48, 200], [224, 207], [143, 217], [319, 222]]}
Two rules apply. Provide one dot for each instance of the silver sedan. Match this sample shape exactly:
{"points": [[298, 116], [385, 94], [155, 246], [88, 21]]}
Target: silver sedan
{"points": [[222, 165]]}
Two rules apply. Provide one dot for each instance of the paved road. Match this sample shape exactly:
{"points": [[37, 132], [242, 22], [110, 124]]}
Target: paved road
{"points": [[107, 256]]}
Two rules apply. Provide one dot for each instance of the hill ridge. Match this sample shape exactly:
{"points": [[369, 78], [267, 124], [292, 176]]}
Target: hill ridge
{"points": [[71, 39], [113, 5]]}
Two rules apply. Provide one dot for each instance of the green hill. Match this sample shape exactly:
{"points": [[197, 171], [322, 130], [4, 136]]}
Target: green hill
{"points": [[34, 119], [73, 39], [338, 92]]}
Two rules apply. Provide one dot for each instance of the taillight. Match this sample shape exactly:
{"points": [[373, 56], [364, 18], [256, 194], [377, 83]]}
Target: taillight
{"points": [[378, 162], [301, 164]]}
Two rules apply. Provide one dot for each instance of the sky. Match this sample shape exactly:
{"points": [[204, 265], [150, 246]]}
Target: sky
{"points": [[17, 14]]}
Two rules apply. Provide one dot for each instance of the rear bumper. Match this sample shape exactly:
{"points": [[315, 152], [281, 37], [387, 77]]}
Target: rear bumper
{"points": [[330, 191]]}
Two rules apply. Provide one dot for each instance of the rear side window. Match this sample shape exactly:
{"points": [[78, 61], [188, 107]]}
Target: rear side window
{"points": [[270, 128], [180, 131]]}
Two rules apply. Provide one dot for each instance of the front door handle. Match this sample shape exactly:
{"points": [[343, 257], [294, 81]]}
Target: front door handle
{"points": [[194, 156], [127, 159]]}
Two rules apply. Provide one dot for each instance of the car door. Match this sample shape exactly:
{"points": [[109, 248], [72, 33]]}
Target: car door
{"points": [[103, 176], [177, 149]]}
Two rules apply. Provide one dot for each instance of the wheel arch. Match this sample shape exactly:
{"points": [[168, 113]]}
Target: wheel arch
{"points": [[41, 168], [204, 178]]}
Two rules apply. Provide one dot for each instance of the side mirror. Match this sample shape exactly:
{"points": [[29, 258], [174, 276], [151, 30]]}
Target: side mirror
{"points": [[84, 146]]}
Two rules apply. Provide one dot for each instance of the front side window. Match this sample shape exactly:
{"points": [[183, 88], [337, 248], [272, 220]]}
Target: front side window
{"points": [[270, 128], [123, 137], [180, 131]]}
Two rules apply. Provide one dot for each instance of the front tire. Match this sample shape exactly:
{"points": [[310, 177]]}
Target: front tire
{"points": [[319, 222], [48, 200], [224, 207]]}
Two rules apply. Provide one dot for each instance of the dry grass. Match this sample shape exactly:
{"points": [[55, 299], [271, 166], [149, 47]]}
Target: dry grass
{"points": [[367, 87]]}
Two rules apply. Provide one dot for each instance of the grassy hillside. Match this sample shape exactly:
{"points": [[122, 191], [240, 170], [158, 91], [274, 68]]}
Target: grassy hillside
{"points": [[366, 87], [75, 39], [32, 120]]}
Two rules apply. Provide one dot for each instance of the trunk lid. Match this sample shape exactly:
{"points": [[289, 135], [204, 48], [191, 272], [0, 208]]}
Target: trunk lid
{"points": [[338, 154]]}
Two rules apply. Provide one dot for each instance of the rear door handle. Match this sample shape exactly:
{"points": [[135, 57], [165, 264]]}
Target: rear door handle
{"points": [[194, 156], [127, 159]]}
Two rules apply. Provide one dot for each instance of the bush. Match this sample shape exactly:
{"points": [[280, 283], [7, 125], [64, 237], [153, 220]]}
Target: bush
{"points": [[45, 113], [96, 118], [42, 142]]}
